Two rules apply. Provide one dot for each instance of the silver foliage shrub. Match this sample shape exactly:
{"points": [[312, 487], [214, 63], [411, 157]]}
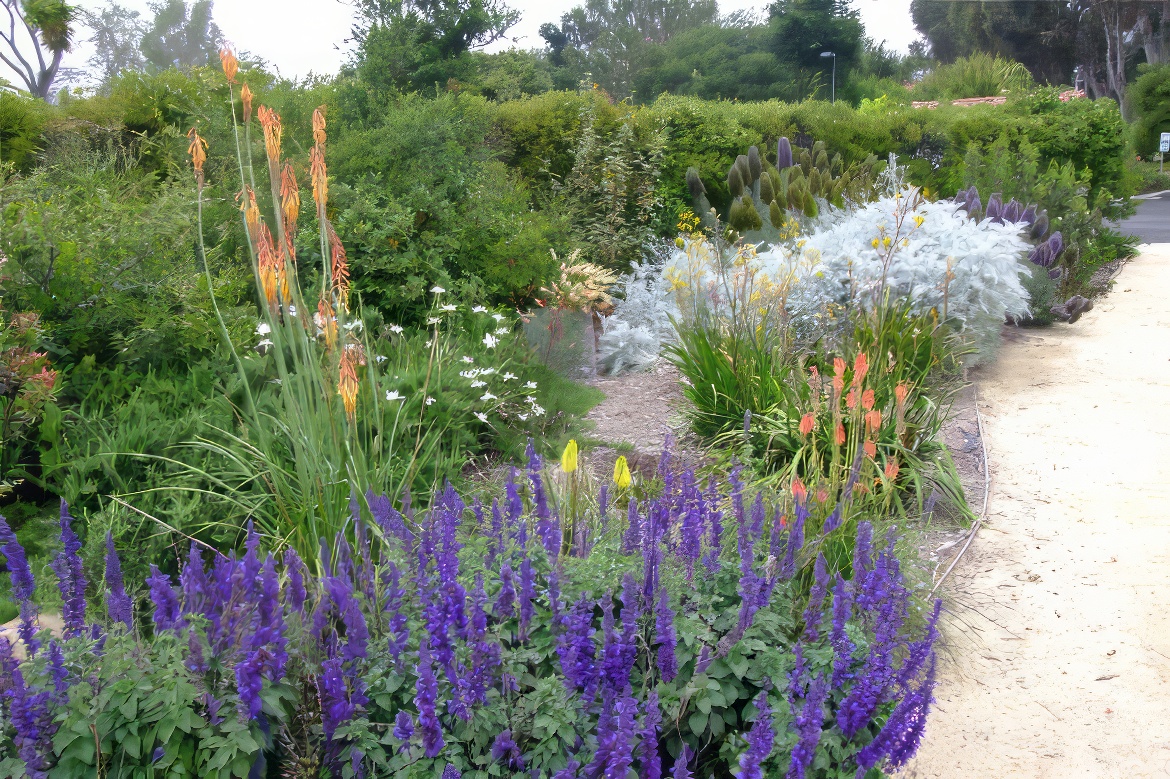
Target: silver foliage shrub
{"points": [[640, 324]]}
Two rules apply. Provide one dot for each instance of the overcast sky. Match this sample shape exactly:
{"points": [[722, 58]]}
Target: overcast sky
{"points": [[302, 36]]}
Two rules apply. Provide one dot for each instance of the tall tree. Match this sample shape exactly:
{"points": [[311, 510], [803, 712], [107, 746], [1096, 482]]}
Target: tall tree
{"points": [[803, 29], [117, 41], [181, 35], [44, 27], [412, 44], [608, 39]]}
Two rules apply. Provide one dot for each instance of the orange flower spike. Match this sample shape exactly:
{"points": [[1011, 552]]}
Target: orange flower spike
{"points": [[270, 121], [340, 273], [231, 65], [319, 126], [347, 383], [860, 368], [319, 175], [246, 99], [326, 322], [290, 197], [867, 399], [799, 491], [851, 400], [870, 449], [198, 152], [840, 434], [892, 468], [873, 420], [814, 373], [252, 216], [900, 393], [838, 376], [807, 422], [822, 495], [268, 262]]}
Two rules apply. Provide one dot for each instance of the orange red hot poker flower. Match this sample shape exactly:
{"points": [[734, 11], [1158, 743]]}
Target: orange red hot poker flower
{"points": [[319, 126], [231, 66], [347, 383], [246, 99], [270, 121], [198, 152], [319, 175]]}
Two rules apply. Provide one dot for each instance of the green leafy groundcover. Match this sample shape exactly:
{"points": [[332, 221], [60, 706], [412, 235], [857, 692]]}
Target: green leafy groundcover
{"points": [[692, 631]]}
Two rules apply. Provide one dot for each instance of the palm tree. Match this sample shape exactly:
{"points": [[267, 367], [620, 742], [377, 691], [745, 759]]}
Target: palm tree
{"points": [[44, 27]]}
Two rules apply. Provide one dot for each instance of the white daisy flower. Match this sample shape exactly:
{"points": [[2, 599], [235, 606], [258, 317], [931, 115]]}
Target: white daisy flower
{"points": [[487, 371], [481, 417], [292, 310], [395, 395], [503, 330], [434, 320], [509, 376], [396, 328], [478, 310], [467, 359], [479, 383], [355, 324], [448, 307], [438, 290], [538, 410], [263, 328], [488, 396], [523, 417], [430, 401], [530, 399], [498, 317], [265, 342], [490, 341], [381, 358], [530, 385]]}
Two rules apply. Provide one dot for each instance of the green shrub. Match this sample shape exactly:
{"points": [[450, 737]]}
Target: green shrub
{"points": [[22, 119], [980, 75], [1149, 99]]}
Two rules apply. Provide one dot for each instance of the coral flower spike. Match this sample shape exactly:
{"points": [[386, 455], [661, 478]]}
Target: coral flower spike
{"points": [[231, 65], [347, 384], [807, 423], [319, 126], [246, 99], [198, 152]]}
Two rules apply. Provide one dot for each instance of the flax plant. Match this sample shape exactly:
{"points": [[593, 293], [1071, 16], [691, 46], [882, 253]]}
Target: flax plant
{"points": [[320, 435]]}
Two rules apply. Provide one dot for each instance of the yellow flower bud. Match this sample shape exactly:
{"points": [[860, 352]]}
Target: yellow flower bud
{"points": [[569, 457], [621, 473]]}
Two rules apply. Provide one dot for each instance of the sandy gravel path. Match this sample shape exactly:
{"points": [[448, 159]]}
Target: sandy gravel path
{"points": [[1057, 657]]}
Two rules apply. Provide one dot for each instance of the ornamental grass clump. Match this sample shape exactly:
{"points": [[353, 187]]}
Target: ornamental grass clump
{"points": [[688, 634]]}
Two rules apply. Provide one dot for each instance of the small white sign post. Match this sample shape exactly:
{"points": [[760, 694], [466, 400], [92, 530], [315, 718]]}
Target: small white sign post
{"points": [[1163, 147]]}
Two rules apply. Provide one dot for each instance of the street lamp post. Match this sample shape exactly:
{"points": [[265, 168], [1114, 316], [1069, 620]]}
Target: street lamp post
{"points": [[834, 56]]}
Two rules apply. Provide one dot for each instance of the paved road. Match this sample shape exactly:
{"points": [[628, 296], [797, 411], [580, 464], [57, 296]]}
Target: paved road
{"points": [[1057, 655], [1151, 223]]}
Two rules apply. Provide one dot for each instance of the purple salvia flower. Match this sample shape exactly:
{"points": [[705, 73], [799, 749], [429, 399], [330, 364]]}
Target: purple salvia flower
{"points": [[30, 713], [505, 749], [357, 763], [665, 637], [270, 632], [616, 730], [760, 740], [569, 771], [427, 693], [70, 577], [691, 544], [756, 528], [839, 639], [117, 602], [403, 726], [504, 607], [58, 673], [704, 661], [451, 772], [816, 599], [23, 586], [336, 708], [920, 651], [295, 590], [192, 580], [648, 753], [166, 603], [682, 769], [527, 596], [484, 657], [795, 541], [513, 503], [250, 681], [633, 537], [715, 514], [576, 649], [603, 505], [808, 726], [496, 544], [900, 736]]}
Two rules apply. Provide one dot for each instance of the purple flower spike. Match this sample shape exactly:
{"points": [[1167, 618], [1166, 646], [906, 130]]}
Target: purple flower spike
{"points": [[665, 637], [760, 740], [166, 603], [451, 772], [403, 726], [900, 737], [505, 749], [23, 586], [336, 707], [425, 698], [808, 729], [294, 569], [648, 748], [117, 602], [70, 577], [250, 681], [816, 600], [842, 645], [682, 768]]}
